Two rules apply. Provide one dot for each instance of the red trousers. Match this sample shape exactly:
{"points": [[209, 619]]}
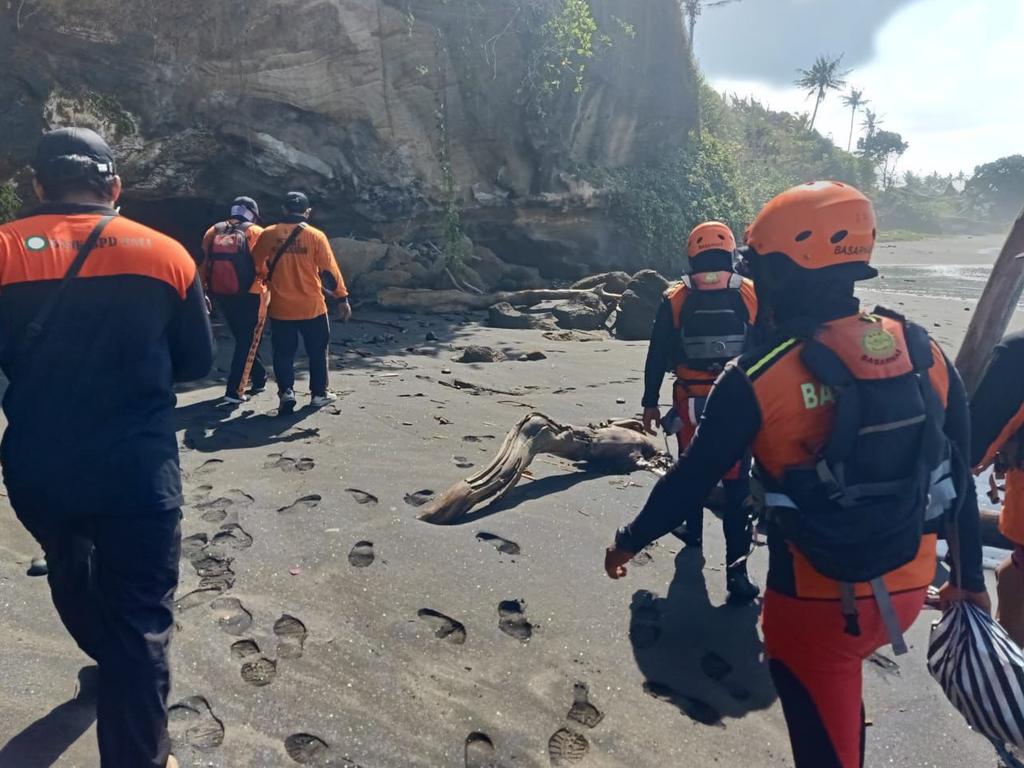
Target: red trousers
{"points": [[817, 669]]}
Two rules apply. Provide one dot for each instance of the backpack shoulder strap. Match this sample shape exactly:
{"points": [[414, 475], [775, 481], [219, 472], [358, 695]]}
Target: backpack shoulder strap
{"points": [[830, 370], [35, 329], [299, 228], [919, 345]]}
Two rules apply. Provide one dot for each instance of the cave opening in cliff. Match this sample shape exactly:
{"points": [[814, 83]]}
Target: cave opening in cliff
{"points": [[186, 219]]}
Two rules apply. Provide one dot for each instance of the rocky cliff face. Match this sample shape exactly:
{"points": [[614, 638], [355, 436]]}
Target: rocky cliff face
{"points": [[359, 102]]}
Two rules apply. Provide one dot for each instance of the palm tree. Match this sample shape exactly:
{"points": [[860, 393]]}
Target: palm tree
{"points": [[823, 77], [692, 9], [871, 122], [854, 100]]}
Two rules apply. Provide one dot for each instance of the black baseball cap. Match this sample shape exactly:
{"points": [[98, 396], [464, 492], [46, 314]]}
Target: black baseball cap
{"points": [[70, 152], [246, 202], [296, 202]]}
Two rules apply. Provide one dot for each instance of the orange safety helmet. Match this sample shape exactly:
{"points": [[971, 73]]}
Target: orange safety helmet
{"points": [[710, 236], [817, 225]]}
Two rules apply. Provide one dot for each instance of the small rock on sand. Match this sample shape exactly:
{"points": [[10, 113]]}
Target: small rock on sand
{"points": [[476, 354]]}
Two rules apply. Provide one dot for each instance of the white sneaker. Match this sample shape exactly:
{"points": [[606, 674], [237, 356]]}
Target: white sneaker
{"points": [[287, 401], [319, 401]]}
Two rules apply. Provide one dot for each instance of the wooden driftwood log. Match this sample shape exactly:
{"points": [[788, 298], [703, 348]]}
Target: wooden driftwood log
{"points": [[995, 308], [426, 301], [617, 447]]}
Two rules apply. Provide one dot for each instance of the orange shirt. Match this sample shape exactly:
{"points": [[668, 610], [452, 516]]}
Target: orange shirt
{"points": [[296, 289]]}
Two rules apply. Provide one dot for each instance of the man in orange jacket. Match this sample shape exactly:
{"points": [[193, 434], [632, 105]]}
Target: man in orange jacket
{"points": [[850, 417], [704, 322], [291, 258]]}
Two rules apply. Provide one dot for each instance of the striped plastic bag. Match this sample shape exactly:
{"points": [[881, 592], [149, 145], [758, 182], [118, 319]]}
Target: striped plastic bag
{"points": [[981, 671]]}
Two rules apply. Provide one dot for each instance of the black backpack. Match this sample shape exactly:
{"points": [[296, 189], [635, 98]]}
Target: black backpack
{"points": [[714, 325], [229, 266], [886, 476]]}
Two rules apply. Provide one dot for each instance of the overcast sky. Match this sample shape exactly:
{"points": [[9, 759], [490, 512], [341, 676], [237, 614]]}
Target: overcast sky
{"points": [[944, 73]]}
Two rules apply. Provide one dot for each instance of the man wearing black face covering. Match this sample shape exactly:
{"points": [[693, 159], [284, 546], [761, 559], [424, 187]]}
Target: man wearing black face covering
{"points": [[783, 402]]}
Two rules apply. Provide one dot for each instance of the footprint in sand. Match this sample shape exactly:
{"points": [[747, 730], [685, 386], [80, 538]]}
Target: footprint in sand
{"points": [[476, 438], [503, 545], [419, 498], [718, 669], [199, 493], [232, 535], [480, 751], [445, 627], [582, 711], [695, 709], [214, 571], [191, 723], [195, 598], [567, 747], [306, 749], [462, 462], [260, 672], [231, 615], [645, 620], [512, 620], [361, 555], [884, 663], [215, 510], [301, 505], [288, 464], [193, 545], [362, 497], [245, 649], [291, 637], [208, 466], [715, 667], [643, 557]]}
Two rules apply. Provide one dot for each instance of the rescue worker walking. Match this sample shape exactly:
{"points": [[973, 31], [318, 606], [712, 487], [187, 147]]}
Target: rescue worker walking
{"points": [[997, 441], [99, 316], [290, 258], [703, 323], [855, 421], [229, 275]]}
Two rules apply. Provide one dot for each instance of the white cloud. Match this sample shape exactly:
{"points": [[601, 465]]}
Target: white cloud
{"points": [[946, 75]]}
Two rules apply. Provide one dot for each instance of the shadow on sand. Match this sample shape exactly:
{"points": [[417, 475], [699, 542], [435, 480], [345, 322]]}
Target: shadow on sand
{"points": [[42, 743], [704, 659], [209, 429]]}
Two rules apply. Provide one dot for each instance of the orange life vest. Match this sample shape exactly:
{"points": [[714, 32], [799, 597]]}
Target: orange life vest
{"points": [[694, 382], [1011, 517], [797, 415]]}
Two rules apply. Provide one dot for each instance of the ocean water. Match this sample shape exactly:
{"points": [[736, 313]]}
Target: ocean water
{"points": [[962, 282]]}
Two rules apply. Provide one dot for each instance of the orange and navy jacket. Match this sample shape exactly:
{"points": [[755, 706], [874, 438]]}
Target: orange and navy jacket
{"points": [[768, 402], [252, 234], [297, 285], [664, 342], [997, 416], [90, 409]]}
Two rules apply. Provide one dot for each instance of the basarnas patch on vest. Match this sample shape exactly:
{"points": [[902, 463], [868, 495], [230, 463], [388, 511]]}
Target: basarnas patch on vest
{"points": [[36, 243], [879, 346]]}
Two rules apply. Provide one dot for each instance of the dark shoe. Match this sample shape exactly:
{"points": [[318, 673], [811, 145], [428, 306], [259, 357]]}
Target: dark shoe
{"points": [[741, 589], [286, 402], [38, 567], [256, 387], [691, 540]]}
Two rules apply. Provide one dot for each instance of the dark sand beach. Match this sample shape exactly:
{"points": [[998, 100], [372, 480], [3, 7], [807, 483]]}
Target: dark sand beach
{"points": [[321, 623]]}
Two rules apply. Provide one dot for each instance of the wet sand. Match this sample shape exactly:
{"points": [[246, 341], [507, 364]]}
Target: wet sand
{"points": [[350, 633]]}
